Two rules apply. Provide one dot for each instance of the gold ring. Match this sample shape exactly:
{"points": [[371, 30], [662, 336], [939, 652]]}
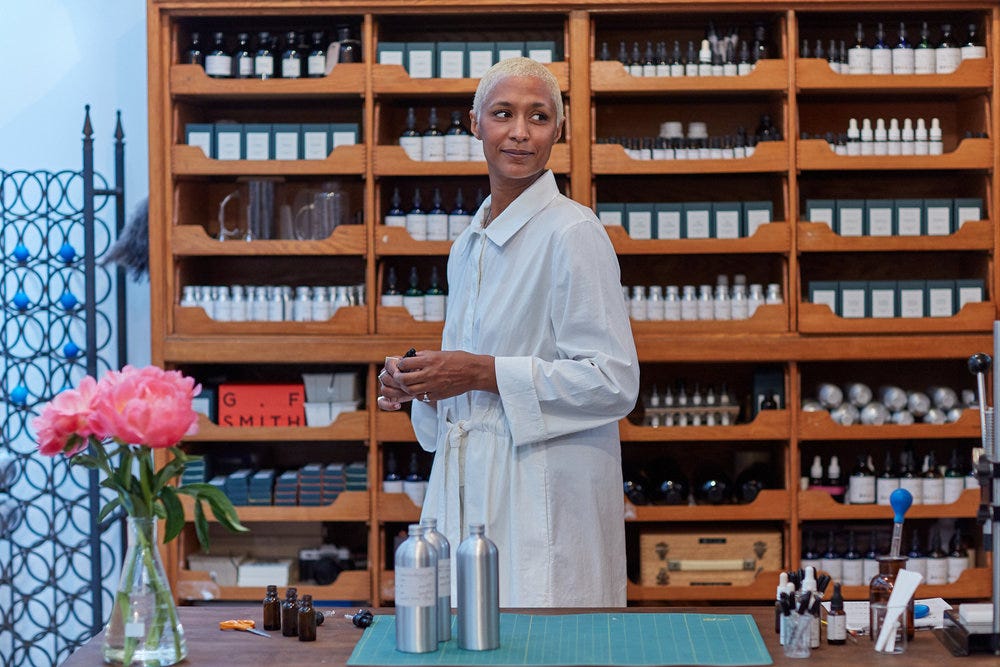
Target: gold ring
{"points": [[426, 398]]}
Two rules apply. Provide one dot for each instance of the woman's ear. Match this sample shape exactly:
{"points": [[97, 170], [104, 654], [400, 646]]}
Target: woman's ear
{"points": [[473, 125]]}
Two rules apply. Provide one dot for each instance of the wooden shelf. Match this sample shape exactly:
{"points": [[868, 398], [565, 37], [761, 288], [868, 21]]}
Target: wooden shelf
{"points": [[975, 583], [343, 161], [768, 319], [397, 320], [349, 506], [818, 237], [612, 77], [394, 79], [397, 507], [190, 81], [820, 506], [352, 585], [194, 241], [393, 427], [768, 425], [820, 426], [769, 156], [773, 237], [770, 505], [349, 426], [815, 75], [396, 241], [194, 321], [392, 160], [818, 318], [816, 155], [761, 590]]}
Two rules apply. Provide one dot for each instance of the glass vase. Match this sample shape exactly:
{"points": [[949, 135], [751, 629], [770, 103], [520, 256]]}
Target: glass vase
{"points": [[144, 628]]}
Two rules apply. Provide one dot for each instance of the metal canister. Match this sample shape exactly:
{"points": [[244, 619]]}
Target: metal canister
{"points": [[443, 548], [858, 394], [416, 594], [845, 414], [944, 398], [918, 403], [903, 418], [477, 563], [830, 396], [875, 414], [936, 416], [892, 397], [811, 405]]}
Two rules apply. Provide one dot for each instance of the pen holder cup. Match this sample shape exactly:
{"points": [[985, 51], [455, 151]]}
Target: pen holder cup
{"points": [[897, 642], [797, 640]]}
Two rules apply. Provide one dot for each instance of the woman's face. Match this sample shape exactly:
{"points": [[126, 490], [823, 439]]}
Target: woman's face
{"points": [[517, 125]]}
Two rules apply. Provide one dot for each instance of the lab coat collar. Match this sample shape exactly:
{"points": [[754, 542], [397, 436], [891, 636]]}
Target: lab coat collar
{"points": [[520, 211]]}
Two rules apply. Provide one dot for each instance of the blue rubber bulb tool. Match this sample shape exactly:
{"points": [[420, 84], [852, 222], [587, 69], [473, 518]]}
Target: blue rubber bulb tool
{"points": [[900, 500]]}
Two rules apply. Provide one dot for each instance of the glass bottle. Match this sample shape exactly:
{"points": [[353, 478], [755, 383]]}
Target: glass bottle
{"points": [[604, 53], [881, 53], [836, 619], [916, 560], [410, 140], [831, 561], [887, 481], [761, 49], [852, 564], [272, 609], [218, 62], [316, 60], [932, 489], [881, 588], [954, 479], [947, 55], [391, 296], [810, 556], [691, 61], [194, 55], [456, 140], [635, 61], [835, 479], [752, 480], [937, 562], [861, 485], [289, 613], [902, 53], [622, 54], [350, 49], [924, 55], [416, 219], [432, 140], [306, 621], [434, 299], [973, 47], [744, 65], [291, 59], [649, 61], [393, 482], [676, 60], [414, 484], [437, 219], [413, 297], [870, 559], [958, 558], [263, 60], [242, 57], [459, 218], [908, 478], [395, 216], [636, 485], [859, 59], [712, 486]]}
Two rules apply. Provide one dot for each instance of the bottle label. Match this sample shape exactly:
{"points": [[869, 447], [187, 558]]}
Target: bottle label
{"points": [[291, 68], [859, 61], [903, 61], [395, 485], [852, 571], [834, 567], [869, 571], [434, 307], [836, 627], [416, 586], [937, 571], [861, 490], [456, 147], [245, 66], [973, 52], [953, 488], [924, 61], [263, 65], [415, 305], [956, 566], [218, 65], [444, 578], [413, 147], [918, 565], [933, 491], [432, 149], [881, 61], [915, 486], [437, 226], [316, 65], [476, 150], [947, 60], [416, 226], [395, 220], [458, 224], [393, 300]]}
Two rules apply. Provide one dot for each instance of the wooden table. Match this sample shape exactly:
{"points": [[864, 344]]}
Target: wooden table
{"points": [[210, 647]]}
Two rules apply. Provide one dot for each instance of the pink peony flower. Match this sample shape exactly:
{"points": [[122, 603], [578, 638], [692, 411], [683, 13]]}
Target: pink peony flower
{"points": [[69, 414], [148, 406]]}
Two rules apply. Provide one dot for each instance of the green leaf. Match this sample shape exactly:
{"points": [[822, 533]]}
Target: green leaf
{"points": [[171, 469], [85, 460], [201, 526], [108, 508], [175, 513], [222, 509]]}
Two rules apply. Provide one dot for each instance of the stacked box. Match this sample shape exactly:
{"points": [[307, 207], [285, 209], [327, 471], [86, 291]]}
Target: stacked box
{"points": [[334, 481], [311, 484], [196, 472], [237, 486], [356, 476], [286, 488], [262, 488]]}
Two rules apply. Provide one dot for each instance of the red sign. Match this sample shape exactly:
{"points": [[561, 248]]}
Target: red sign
{"points": [[255, 405]]}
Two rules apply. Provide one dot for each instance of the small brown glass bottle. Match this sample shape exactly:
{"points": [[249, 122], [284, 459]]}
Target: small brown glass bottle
{"points": [[290, 613], [881, 588], [307, 619], [272, 609]]}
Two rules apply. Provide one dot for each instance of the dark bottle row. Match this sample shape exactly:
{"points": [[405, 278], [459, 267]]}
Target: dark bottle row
{"points": [[267, 55], [663, 482]]}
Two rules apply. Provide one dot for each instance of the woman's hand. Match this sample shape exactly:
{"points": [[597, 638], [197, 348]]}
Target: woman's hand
{"points": [[431, 376], [392, 395]]}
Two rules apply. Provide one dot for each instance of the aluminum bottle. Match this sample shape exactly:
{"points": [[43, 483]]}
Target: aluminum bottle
{"points": [[477, 563], [416, 594], [440, 544]]}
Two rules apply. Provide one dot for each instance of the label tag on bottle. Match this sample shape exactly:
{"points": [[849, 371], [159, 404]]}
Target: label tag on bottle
{"points": [[444, 577], [416, 586]]}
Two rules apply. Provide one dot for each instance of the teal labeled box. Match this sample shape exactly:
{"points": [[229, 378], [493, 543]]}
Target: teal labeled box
{"points": [[882, 299], [541, 52], [509, 50], [201, 135], [612, 215], [257, 141], [639, 221], [824, 292], [479, 57], [698, 220], [821, 210], [909, 217], [852, 299], [755, 214], [967, 210], [420, 60], [287, 139], [391, 53], [229, 141], [343, 134], [912, 298], [315, 141], [968, 290], [727, 220], [940, 298], [669, 221], [850, 217], [880, 217], [937, 214], [451, 60]]}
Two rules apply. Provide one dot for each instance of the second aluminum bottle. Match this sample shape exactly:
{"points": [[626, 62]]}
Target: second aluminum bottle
{"points": [[416, 594], [440, 544], [477, 563]]}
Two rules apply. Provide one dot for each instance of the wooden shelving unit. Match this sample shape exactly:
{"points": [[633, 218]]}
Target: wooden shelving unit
{"points": [[602, 100]]}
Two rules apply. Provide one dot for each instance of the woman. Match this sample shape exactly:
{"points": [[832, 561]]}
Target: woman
{"points": [[521, 406]]}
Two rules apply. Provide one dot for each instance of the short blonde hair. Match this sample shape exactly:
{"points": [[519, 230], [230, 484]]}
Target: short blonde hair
{"points": [[517, 67]]}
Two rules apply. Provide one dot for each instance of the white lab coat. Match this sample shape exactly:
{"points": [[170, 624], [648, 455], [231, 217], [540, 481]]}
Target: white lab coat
{"points": [[540, 463]]}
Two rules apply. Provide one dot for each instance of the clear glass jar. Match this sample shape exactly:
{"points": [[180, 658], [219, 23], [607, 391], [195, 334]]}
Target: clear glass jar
{"points": [[881, 587]]}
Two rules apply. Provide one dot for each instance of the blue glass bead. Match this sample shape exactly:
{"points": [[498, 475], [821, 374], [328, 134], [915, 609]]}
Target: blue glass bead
{"points": [[67, 253], [21, 301], [21, 253], [19, 395], [68, 301], [71, 350]]}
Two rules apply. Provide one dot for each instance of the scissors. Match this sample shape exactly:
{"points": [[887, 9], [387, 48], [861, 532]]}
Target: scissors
{"points": [[243, 624]]}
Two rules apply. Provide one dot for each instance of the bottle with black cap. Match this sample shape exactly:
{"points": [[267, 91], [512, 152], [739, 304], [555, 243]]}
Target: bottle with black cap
{"points": [[291, 59], [316, 60], [263, 60], [218, 62], [242, 57], [836, 619], [194, 55]]}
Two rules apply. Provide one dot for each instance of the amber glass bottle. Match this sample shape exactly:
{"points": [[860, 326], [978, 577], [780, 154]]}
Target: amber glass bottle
{"points": [[881, 588], [272, 609], [290, 613], [307, 619]]}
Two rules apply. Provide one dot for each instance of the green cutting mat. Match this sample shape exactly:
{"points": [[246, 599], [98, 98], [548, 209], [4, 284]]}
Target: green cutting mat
{"points": [[586, 639]]}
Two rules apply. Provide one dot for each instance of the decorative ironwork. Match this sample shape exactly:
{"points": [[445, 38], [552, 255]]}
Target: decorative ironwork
{"points": [[59, 323]]}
